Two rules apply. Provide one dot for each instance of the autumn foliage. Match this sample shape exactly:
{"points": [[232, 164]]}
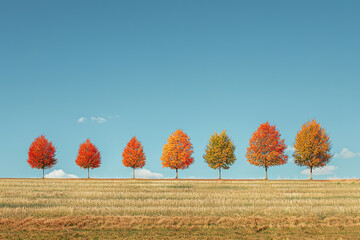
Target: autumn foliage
{"points": [[312, 146], [133, 155], [88, 157], [266, 149], [41, 154], [220, 152], [177, 152]]}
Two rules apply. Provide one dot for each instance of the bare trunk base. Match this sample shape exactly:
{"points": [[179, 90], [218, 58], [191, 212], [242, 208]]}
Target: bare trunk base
{"points": [[266, 175]]}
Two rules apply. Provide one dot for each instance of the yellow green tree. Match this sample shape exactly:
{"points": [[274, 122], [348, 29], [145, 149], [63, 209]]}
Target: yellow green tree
{"points": [[220, 152], [312, 146]]}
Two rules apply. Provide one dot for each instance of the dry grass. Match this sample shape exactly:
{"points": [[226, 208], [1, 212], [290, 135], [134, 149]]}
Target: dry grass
{"points": [[108, 209], [181, 227]]}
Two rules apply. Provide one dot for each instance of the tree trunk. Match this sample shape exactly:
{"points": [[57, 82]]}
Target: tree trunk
{"points": [[133, 173], [266, 178], [310, 173], [176, 174], [43, 173], [88, 173], [219, 172]]}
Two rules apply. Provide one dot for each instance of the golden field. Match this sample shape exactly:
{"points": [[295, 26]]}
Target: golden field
{"points": [[182, 209]]}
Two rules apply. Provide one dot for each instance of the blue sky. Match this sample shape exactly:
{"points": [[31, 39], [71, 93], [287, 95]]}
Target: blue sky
{"points": [[147, 68]]}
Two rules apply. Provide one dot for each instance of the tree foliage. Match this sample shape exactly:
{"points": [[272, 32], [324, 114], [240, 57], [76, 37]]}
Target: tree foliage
{"points": [[220, 152], [88, 157], [177, 152], [312, 146], [266, 149], [133, 155], [41, 154]]}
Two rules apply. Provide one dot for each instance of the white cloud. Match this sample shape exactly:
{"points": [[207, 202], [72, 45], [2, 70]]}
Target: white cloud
{"points": [[346, 153], [290, 149], [98, 119], [144, 173], [81, 119], [94, 119], [60, 174], [320, 171]]}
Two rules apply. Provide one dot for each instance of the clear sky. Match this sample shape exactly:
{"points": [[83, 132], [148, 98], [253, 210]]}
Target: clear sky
{"points": [[147, 68]]}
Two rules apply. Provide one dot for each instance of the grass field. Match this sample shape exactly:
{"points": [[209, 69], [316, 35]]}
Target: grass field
{"points": [[153, 209]]}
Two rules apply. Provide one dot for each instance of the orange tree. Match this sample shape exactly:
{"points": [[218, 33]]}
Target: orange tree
{"points": [[88, 157], [177, 152], [133, 155], [220, 152], [41, 154], [266, 149], [312, 146]]}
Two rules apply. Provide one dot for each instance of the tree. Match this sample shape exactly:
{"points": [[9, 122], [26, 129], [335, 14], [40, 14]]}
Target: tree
{"points": [[220, 152], [41, 154], [312, 146], [133, 155], [177, 152], [266, 149], [88, 157]]}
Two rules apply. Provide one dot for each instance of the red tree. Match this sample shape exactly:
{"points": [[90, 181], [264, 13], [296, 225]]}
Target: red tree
{"points": [[133, 155], [41, 154], [88, 157], [266, 148]]}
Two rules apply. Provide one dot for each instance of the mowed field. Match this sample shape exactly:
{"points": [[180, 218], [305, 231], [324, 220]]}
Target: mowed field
{"points": [[182, 209]]}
